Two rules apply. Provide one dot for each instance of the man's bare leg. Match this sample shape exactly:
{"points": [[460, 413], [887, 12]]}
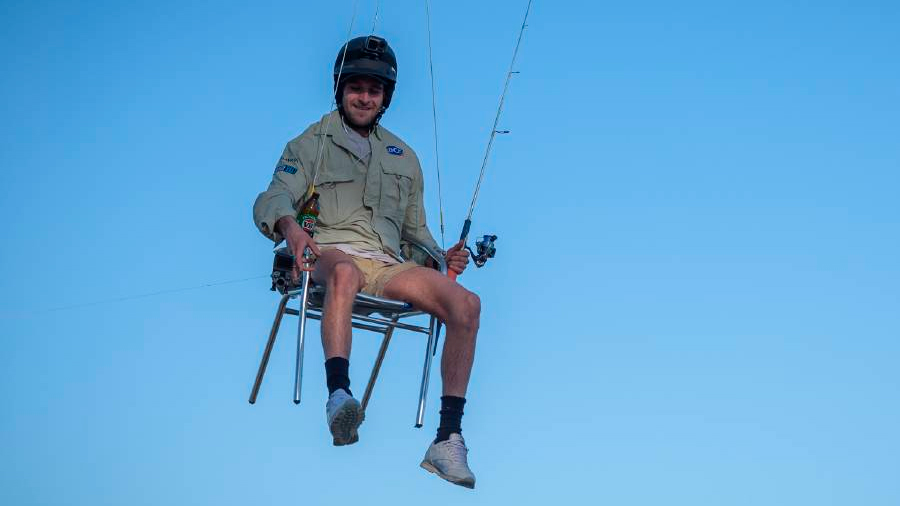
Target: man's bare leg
{"points": [[336, 270], [343, 280], [460, 309]]}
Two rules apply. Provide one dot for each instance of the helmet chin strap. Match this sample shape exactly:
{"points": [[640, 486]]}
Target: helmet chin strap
{"points": [[378, 116]]}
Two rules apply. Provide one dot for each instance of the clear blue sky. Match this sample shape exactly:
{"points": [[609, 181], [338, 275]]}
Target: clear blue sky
{"points": [[695, 299]]}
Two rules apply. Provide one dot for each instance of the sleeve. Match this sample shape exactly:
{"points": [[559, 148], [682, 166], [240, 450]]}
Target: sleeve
{"points": [[288, 186], [415, 228]]}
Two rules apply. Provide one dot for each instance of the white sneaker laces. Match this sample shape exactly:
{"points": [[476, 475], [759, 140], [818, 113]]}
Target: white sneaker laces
{"points": [[457, 450]]}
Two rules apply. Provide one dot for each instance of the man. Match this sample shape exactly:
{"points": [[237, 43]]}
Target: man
{"points": [[370, 185]]}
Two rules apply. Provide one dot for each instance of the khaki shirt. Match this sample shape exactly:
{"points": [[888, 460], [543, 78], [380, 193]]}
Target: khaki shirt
{"points": [[390, 189]]}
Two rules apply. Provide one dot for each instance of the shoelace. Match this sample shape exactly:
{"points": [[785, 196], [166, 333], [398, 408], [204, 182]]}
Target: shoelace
{"points": [[457, 450]]}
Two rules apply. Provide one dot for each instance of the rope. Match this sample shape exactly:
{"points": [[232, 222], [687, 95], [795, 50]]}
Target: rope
{"points": [[499, 110], [153, 294], [375, 22], [437, 158], [323, 134]]}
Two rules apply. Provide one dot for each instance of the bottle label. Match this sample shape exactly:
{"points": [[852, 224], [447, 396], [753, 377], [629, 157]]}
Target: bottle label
{"points": [[308, 224]]}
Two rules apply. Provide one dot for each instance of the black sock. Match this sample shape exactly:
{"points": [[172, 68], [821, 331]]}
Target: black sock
{"points": [[451, 417], [337, 374]]}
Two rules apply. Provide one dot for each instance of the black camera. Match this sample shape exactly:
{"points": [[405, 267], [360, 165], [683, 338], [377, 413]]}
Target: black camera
{"points": [[375, 44]]}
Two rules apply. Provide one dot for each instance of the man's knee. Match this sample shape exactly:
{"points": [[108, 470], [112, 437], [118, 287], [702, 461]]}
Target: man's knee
{"points": [[467, 311], [344, 279]]}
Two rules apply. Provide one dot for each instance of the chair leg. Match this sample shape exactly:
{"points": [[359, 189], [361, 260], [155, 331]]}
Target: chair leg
{"points": [[426, 370], [388, 333], [301, 333], [437, 337], [268, 351]]}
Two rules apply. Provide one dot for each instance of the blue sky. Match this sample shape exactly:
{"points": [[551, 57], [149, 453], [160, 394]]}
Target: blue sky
{"points": [[694, 302]]}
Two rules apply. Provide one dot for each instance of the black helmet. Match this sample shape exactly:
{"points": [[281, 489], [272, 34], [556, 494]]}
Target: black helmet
{"points": [[366, 56]]}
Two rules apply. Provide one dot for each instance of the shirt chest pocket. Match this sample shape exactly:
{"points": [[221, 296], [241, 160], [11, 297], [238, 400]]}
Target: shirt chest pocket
{"points": [[396, 187], [336, 197]]}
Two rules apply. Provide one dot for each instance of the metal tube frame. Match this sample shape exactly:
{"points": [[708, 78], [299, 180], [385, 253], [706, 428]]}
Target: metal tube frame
{"points": [[426, 372], [384, 326], [268, 351], [301, 333], [376, 368]]}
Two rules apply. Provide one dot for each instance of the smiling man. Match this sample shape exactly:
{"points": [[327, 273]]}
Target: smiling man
{"points": [[370, 185]]}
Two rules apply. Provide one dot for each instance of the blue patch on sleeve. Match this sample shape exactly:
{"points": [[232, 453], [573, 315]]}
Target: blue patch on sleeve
{"points": [[394, 150], [286, 168]]}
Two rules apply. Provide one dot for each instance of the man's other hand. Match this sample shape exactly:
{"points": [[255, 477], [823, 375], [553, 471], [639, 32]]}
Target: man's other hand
{"points": [[298, 241]]}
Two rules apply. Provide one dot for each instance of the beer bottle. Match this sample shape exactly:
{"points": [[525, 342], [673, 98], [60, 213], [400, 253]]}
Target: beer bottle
{"points": [[308, 217]]}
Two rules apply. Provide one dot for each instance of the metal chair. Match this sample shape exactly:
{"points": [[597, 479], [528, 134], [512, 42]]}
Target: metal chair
{"points": [[370, 313]]}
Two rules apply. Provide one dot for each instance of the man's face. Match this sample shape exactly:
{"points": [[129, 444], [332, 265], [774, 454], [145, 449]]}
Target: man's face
{"points": [[362, 100]]}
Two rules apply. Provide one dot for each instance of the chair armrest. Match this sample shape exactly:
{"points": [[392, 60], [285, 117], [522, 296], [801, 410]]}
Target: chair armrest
{"points": [[431, 253]]}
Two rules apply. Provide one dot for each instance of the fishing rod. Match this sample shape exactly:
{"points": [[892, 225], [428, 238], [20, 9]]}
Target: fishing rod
{"points": [[485, 248]]}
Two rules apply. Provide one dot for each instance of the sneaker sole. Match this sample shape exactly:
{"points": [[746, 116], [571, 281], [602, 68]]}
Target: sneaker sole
{"points": [[343, 426], [431, 469]]}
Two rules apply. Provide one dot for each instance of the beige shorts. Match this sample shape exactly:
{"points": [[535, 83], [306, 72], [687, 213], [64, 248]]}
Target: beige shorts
{"points": [[378, 273]]}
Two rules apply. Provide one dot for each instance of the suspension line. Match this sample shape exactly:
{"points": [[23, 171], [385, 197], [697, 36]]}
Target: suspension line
{"points": [[437, 158], [323, 130], [375, 21]]}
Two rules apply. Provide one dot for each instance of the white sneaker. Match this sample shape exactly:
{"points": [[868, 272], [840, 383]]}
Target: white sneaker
{"points": [[447, 459], [344, 416]]}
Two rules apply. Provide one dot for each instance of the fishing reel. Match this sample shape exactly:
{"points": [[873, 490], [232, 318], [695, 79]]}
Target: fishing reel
{"points": [[485, 249]]}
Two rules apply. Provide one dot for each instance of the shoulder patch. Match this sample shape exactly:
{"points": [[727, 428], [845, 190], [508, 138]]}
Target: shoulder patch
{"points": [[290, 169], [394, 150]]}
